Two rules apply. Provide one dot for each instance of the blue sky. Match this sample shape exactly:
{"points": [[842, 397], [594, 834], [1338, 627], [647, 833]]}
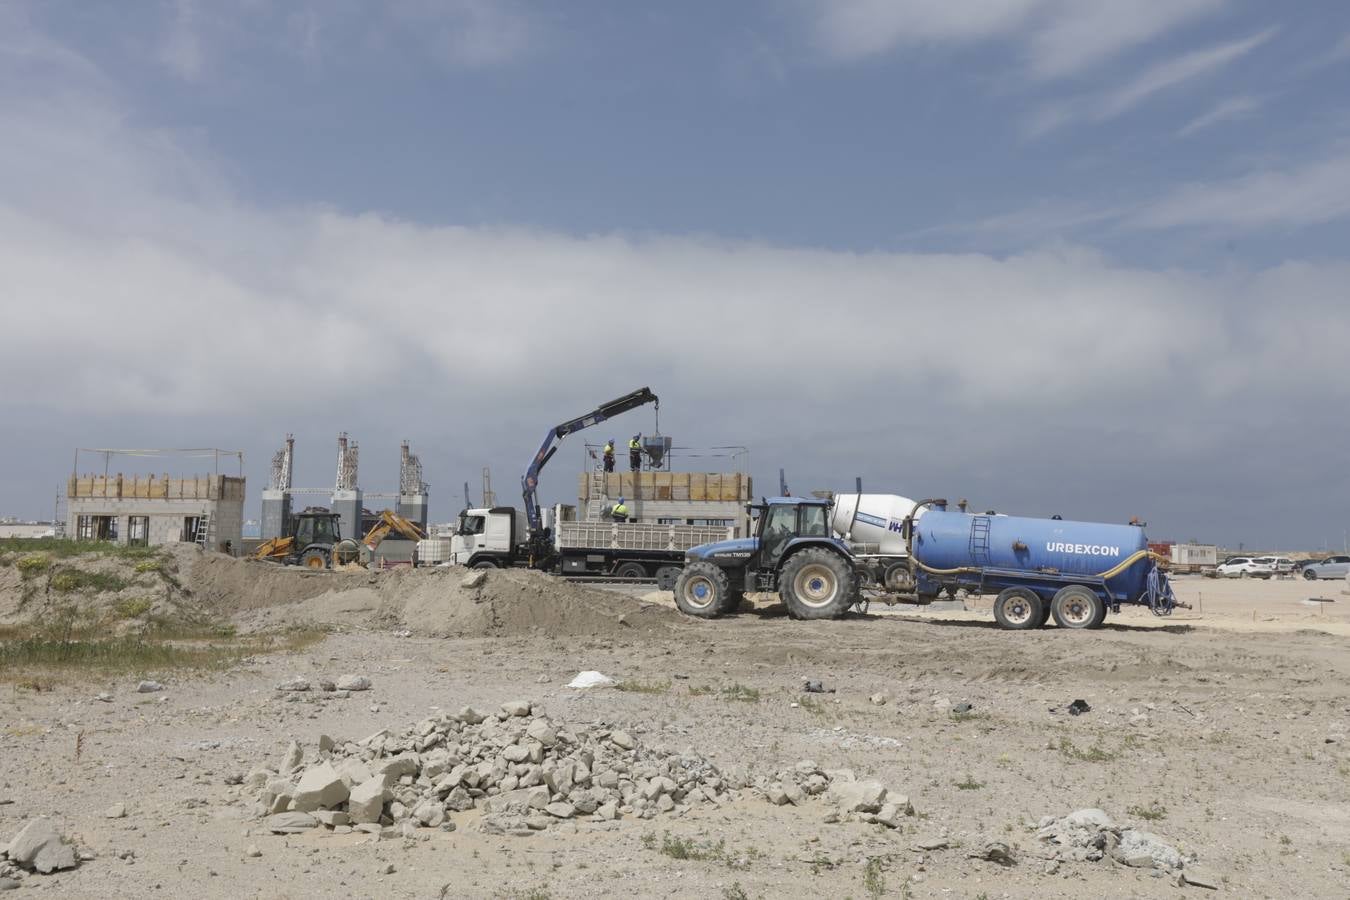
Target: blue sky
{"points": [[1071, 256]]}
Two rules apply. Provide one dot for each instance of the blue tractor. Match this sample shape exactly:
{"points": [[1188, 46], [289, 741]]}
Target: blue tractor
{"points": [[792, 552]]}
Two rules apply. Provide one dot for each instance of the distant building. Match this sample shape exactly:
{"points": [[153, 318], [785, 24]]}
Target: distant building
{"points": [[152, 510], [13, 528]]}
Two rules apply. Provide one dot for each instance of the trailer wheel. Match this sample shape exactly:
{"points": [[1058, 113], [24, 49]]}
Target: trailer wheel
{"points": [[899, 578], [1077, 607], [702, 590], [1019, 609], [666, 576], [630, 570], [314, 558], [817, 584]]}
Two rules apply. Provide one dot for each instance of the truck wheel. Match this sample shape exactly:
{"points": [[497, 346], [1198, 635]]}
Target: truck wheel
{"points": [[1077, 607], [1018, 609], [314, 558], [666, 576], [702, 590], [817, 584], [630, 570], [484, 564]]}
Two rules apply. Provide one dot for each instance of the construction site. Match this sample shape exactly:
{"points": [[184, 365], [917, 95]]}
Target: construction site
{"points": [[674, 686]]}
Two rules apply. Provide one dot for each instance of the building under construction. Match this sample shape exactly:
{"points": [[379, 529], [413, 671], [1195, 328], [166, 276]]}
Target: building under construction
{"points": [[149, 510]]}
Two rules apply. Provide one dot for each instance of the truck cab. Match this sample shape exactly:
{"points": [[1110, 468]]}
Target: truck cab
{"points": [[793, 552], [487, 538]]}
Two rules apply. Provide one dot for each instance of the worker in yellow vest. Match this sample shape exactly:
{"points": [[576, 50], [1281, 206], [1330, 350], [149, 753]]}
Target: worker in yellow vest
{"points": [[620, 511], [635, 452], [609, 455]]}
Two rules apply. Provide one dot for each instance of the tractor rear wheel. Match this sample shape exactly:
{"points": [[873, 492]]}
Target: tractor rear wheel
{"points": [[315, 558], [1018, 609], [816, 583], [702, 590], [1078, 607]]}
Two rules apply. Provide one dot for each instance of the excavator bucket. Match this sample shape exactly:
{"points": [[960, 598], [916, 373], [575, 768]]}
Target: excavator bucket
{"points": [[275, 549]]}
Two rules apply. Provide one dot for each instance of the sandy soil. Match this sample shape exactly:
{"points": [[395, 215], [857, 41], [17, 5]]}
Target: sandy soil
{"points": [[1236, 727]]}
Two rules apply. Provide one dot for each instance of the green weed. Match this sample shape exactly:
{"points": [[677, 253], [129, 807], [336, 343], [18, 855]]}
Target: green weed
{"points": [[640, 687], [1154, 812], [970, 784], [30, 566], [873, 881], [1095, 753]]}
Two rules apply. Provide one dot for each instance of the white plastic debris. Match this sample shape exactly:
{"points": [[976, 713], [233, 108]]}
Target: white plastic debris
{"points": [[590, 680]]}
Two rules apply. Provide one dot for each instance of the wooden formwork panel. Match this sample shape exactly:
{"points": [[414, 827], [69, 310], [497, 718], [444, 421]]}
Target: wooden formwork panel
{"points": [[698, 486]]}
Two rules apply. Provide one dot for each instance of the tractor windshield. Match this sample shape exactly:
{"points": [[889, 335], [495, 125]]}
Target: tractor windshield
{"points": [[325, 531]]}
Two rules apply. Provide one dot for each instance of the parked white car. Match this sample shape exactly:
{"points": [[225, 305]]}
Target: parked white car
{"points": [[1246, 567]]}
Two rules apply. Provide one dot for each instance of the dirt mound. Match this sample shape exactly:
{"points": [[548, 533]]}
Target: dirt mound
{"points": [[425, 601], [513, 601]]}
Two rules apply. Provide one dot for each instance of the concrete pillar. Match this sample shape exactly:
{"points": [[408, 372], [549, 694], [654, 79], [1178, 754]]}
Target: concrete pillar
{"points": [[276, 513], [347, 504], [412, 507]]}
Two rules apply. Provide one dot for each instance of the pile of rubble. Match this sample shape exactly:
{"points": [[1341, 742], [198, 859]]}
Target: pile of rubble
{"points": [[1090, 835], [524, 772]]}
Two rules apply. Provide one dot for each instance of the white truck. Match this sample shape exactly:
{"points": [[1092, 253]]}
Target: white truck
{"points": [[499, 537]]}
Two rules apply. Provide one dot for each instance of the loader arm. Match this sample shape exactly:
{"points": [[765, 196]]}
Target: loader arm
{"points": [[530, 481], [391, 521]]}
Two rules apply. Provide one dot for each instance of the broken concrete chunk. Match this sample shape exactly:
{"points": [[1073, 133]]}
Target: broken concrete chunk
{"points": [[320, 788], [366, 802], [39, 847], [116, 811], [473, 579], [149, 687], [470, 716], [1143, 849], [290, 822], [295, 683], [518, 708], [622, 740], [858, 796]]}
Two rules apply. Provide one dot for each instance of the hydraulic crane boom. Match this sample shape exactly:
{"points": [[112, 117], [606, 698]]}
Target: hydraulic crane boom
{"points": [[530, 481]]}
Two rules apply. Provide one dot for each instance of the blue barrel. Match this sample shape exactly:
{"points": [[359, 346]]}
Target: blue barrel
{"points": [[1044, 554]]}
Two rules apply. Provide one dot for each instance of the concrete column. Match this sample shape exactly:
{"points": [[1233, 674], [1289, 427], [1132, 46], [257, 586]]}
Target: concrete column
{"points": [[412, 507], [347, 504], [276, 513]]}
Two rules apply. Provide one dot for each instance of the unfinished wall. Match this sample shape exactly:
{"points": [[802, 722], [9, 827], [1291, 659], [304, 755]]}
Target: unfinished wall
{"points": [[165, 502]]}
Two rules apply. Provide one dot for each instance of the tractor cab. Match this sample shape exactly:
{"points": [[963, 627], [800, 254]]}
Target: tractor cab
{"points": [[792, 552], [316, 528]]}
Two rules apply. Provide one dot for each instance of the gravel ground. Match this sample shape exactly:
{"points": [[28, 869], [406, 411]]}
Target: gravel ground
{"points": [[1229, 745]]}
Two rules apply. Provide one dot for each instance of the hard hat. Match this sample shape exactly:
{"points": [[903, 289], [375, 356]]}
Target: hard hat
{"points": [[620, 499]]}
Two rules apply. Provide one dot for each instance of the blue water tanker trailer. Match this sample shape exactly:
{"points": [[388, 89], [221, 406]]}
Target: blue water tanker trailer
{"points": [[1074, 571]]}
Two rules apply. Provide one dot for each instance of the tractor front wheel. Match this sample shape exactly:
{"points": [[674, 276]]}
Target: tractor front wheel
{"points": [[816, 583], [702, 590]]}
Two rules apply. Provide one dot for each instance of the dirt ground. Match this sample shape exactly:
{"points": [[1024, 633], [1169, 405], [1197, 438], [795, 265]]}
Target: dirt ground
{"points": [[1223, 730]]}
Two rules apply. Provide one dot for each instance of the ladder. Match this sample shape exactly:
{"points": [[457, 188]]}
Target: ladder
{"points": [[203, 530], [979, 540], [596, 500]]}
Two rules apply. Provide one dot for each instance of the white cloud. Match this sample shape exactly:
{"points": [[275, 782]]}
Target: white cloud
{"points": [[1229, 110], [1156, 79], [1057, 37], [1180, 70], [1313, 193]]}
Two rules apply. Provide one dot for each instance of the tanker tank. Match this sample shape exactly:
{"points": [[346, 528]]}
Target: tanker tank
{"points": [[1039, 567]]}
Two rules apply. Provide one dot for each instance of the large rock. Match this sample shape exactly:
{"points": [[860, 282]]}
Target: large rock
{"points": [[39, 846], [366, 801], [1145, 850], [396, 767], [321, 787], [353, 683], [516, 707], [858, 796], [291, 761]]}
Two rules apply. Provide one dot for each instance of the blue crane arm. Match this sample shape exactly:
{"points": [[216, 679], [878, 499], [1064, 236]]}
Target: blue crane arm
{"points": [[530, 481]]}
